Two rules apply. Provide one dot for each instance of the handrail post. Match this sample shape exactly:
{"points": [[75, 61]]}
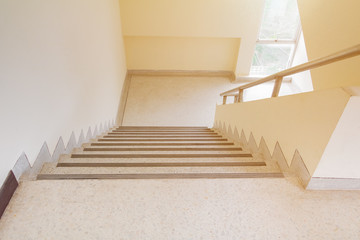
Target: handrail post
{"points": [[277, 86], [241, 95], [224, 100]]}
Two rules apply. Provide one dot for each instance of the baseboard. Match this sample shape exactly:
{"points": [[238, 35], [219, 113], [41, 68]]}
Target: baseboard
{"points": [[299, 168], [123, 99], [7, 191], [318, 183]]}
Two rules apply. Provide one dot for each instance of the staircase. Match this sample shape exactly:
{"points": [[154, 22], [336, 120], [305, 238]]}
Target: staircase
{"points": [[159, 153]]}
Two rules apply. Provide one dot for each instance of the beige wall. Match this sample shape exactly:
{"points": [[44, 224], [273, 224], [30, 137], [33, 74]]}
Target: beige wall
{"points": [[188, 24], [190, 18], [62, 66], [330, 26], [302, 122], [181, 53]]}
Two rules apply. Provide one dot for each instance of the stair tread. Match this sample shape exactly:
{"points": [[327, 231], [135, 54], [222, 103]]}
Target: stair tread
{"points": [[152, 144], [159, 152], [162, 133], [162, 140], [157, 155], [52, 169], [161, 164], [160, 176], [125, 127], [67, 158], [170, 146], [163, 130], [166, 136], [160, 149]]}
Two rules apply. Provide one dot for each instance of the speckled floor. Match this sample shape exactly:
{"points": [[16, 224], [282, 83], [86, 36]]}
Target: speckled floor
{"points": [[179, 209], [183, 101], [173, 101]]}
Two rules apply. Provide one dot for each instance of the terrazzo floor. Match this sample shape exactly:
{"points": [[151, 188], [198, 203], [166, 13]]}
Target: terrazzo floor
{"points": [[183, 101], [179, 209]]}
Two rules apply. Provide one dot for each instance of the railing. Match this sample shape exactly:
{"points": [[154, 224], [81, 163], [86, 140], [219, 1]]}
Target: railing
{"points": [[238, 92]]}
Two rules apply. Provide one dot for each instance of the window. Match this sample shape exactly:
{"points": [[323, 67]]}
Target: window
{"points": [[278, 36]]}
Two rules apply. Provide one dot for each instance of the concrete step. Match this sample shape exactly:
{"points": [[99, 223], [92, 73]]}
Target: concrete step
{"points": [[69, 159], [159, 127], [56, 176], [159, 144], [163, 133], [162, 155], [161, 164], [87, 148], [50, 171], [163, 128], [161, 136], [156, 151], [162, 140]]}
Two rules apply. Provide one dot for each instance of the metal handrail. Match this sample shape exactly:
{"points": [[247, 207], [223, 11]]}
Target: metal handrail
{"points": [[278, 77]]}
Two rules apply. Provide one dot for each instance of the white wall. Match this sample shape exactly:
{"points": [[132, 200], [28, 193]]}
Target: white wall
{"points": [[62, 66], [341, 156]]}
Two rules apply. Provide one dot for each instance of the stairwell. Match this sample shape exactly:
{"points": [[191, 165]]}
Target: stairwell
{"points": [[160, 153]]}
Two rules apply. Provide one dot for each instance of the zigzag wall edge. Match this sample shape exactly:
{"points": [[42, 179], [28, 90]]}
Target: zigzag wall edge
{"points": [[297, 165], [24, 170]]}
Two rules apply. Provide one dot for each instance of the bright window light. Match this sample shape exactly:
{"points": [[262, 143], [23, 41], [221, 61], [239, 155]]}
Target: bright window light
{"points": [[278, 37]]}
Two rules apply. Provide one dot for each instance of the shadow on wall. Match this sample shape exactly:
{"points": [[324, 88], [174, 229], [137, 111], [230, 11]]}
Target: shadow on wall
{"points": [[23, 169], [297, 166]]}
